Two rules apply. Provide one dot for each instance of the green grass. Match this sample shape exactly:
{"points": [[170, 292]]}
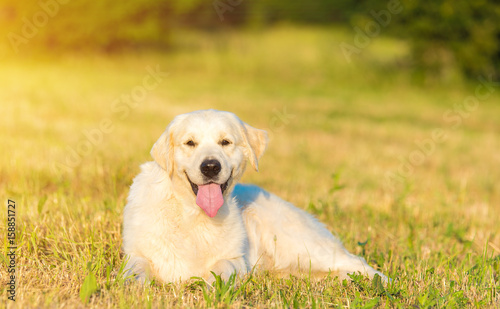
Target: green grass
{"points": [[336, 130]]}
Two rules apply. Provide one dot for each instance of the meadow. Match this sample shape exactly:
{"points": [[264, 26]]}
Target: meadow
{"points": [[405, 173]]}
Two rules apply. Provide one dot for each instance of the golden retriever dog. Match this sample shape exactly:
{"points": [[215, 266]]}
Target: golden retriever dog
{"points": [[187, 216]]}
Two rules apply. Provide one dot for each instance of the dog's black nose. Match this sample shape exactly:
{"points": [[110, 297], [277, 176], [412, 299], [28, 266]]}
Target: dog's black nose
{"points": [[210, 168]]}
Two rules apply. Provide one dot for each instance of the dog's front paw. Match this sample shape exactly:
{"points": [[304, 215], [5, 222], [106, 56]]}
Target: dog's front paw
{"points": [[225, 268], [136, 270], [347, 274], [222, 268]]}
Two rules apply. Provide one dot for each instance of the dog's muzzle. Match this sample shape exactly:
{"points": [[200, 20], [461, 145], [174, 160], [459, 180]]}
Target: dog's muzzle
{"points": [[223, 186]]}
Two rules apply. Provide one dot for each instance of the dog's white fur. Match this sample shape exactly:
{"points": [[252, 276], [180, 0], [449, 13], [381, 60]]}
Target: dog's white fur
{"points": [[167, 236]]}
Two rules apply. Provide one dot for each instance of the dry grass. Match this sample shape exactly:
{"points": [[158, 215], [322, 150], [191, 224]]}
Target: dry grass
{"points": [[435, 231]]}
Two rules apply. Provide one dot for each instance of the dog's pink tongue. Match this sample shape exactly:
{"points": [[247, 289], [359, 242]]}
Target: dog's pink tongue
{"points": [[209, 198]]}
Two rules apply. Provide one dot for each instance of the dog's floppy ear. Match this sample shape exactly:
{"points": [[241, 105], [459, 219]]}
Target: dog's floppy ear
{"points": [[163, 151], [256, 141]]}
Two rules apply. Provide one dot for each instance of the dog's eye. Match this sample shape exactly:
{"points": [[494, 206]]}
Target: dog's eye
{"points": [[190, 143], [225, 142]]}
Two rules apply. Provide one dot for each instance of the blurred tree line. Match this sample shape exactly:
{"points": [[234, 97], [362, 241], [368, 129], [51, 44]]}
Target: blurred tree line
{"points": [[461, 33]]}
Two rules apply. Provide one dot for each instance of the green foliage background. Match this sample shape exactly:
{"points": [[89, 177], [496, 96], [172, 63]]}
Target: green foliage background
{"points": [[465, 34], [444, 35]]}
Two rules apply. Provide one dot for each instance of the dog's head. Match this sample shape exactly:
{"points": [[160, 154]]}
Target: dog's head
{"points": [[205, 153]]}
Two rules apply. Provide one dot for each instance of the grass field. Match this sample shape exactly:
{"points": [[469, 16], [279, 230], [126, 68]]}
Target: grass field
{"points": [[406, 175]]}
